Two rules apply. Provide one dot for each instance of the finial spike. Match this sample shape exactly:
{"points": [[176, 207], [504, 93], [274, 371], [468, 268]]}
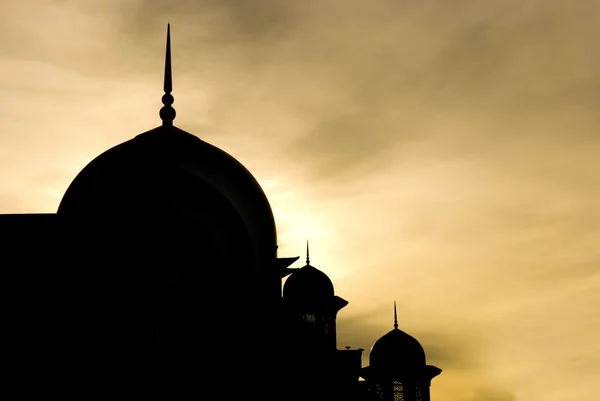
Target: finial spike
{"points": [[307, 254], [395, 316], [168, 75], [167, 113]]}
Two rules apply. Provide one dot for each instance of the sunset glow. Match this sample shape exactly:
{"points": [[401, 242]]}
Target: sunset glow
{"points": [[440, 154]]}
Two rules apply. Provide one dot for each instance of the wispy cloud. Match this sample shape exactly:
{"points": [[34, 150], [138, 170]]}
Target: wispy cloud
{"points": [[442, 154]]}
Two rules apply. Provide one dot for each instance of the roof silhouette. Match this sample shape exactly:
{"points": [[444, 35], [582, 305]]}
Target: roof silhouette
{"points": [[308, 283], [397, 350]]}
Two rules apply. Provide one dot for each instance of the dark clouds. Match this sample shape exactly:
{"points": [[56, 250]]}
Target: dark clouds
{"points": [[301, 57], [365, 78]]}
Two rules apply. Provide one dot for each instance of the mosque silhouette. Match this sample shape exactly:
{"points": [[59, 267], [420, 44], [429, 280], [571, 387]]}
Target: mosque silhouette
{"points": [[158, 277]]}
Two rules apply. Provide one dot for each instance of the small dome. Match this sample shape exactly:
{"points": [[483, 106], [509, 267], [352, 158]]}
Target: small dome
{"points": [[308, 284], [397, 351]]}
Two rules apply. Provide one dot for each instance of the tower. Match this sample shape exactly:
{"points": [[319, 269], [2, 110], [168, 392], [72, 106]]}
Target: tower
{"points": [[398, 369], [311, 307]]}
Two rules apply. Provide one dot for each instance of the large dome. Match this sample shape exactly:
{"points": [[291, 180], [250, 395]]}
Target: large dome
{"points": [[165, 173], [170, 187]]}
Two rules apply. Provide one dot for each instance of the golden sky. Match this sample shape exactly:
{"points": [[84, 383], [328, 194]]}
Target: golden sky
{"points": [[440, 153]]}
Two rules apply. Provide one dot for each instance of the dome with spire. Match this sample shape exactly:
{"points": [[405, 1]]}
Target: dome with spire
{"points": [[397, 351], [167, 174], [308, 284]]}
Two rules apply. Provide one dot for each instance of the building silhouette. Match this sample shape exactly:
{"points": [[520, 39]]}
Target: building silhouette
{"points": [[159, 277]]}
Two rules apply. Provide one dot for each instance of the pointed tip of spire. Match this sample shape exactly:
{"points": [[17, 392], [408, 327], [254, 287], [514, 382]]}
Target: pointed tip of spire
{"points": [[167, 112], [307, 254], [395, 316]]}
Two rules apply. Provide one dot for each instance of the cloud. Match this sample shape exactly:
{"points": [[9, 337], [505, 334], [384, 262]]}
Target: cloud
{"points": [[440, 153], [352, 82]]}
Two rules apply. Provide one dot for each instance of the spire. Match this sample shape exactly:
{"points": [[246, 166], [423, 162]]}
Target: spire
{"points": [[395, 316], [307, 254], [167, 113]]}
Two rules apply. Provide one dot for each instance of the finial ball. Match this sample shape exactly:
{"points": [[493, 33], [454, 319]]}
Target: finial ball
{"points": [[167, 99], [167, 114]]}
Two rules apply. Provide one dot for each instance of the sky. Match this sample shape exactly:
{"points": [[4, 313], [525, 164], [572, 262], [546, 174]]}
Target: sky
{"points": [[440, 154]]}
